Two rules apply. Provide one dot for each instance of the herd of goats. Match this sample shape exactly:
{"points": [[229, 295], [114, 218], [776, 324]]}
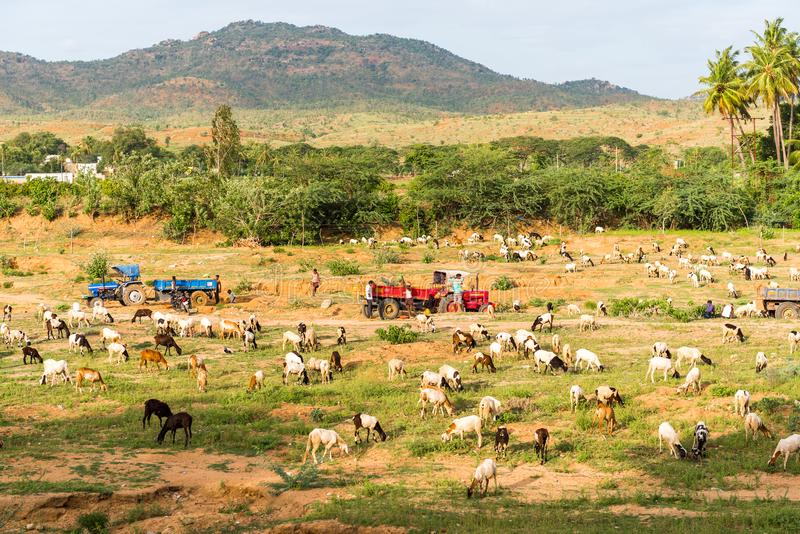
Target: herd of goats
{"points": [[435, 385]]}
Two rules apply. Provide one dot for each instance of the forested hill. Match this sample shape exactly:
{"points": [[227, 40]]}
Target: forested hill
{"points": [[277, 65]]}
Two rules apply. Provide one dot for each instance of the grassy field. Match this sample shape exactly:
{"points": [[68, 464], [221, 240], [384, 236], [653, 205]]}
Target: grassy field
{"points": [[67, 454], [666, 124]]}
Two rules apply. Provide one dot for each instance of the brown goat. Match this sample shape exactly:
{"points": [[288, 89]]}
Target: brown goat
{"points": [[202, 380], [605, 414], [336, 361], [485, 361], [91, 376], [153, 356], [462, 339]]}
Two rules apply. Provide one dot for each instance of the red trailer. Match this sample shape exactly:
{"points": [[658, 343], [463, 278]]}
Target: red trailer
{"points": [[437, 298]]}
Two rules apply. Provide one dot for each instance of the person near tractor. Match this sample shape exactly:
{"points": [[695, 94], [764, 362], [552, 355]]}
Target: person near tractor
{"points": [[231, 297], [409, 300], [369, 292], [458, 292], [217, 290], [709, 312], [315, 281], [184, 301]]}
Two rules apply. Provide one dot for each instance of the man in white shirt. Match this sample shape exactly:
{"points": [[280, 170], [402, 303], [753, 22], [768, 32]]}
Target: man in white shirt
{"points": [[369, 298]]}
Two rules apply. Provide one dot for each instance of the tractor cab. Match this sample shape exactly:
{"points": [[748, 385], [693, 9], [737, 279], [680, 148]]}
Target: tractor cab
{"points": [[125, 286]]}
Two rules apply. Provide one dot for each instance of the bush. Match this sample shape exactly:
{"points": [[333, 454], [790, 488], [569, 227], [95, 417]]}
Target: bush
{"points": [[428, 258], [397, 334], [244, 286], [719, 390], [343, 268], [769, 404], [386, 255], [7, 207], [8, 285], [94, 522], [503, 283], [305, 477]]}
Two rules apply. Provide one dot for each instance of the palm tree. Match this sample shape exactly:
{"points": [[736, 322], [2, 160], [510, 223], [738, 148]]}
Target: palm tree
{"points": [[772, 73], [726, 90]]}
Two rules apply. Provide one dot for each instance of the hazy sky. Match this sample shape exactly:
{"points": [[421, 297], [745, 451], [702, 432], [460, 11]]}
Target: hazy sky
{"points": [[656, 47]]}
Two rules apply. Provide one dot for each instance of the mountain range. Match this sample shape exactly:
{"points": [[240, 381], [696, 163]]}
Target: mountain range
{"points": [[256, 65]]}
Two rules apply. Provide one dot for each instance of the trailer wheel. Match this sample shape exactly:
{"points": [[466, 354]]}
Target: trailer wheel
{"points": [[787, 310], [199, 298], [389, 309], [132, 296]]}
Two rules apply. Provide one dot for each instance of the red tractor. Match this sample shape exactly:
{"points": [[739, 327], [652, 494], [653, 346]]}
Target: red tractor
{"points": [[438, 298]]}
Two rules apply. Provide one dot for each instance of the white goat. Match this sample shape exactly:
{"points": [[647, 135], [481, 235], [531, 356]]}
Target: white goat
{"points": [[327, 438], [658, 363], [668, 434], [786, 447], [470, 423], [489, 407], [692, 381], [741, 402], [591, 359], [397, 368]]}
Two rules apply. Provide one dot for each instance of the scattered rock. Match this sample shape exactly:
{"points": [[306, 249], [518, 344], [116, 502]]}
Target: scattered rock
{"points": [[326, 304]]}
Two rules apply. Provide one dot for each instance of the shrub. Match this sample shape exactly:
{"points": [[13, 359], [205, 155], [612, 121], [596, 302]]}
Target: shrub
{"points": [[94, 522], [503, 283], [386, 255], [719, 390], [397, 334], [73, 232], [428, 258], [244, 286], [7, 207], [306, 477], [8, 285], [304, 265], [769, 404], [343, 267], [7, 262]]}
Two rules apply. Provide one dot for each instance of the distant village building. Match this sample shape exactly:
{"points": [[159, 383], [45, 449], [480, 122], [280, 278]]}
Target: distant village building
{"points": [[70, 170]]}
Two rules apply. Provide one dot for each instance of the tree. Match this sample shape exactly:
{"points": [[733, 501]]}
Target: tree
{"points": [[226, 142], [726, 91], [773, 75], [97, 266]]}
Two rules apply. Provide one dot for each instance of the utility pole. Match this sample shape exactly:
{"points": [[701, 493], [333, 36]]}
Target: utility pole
{"points": [[3, 161]]}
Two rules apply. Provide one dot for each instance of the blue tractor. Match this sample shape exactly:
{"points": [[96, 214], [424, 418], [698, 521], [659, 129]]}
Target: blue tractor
{"points": [[125, 286]]}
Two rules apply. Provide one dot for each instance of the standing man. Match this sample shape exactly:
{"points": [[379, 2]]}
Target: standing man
{"points": [[458, 291], [409, 300], [315, 281], [368, 295], [218, 289]]}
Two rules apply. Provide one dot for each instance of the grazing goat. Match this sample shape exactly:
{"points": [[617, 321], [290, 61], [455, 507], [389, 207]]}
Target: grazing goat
{"points": [[32, 353], [109, 335], [591, 359], [587, 322], [658, 363], [53, 369], [437, 399], [91, 376], [566, 354], [231, 329], [501, 441], [700, 440], [661, 349], [691, 355], [608, 395], [174, 422], [295, 368], [249, 339], [311, 341], [7, 313], [297, 340], [485, 361], [141, 313], [326, 438], [157, 408], [489, 408], [256, 381], [540, 438], [786, 447], [487, 470], [470, 423], [477, 330], [341, 336], [452, 376], [362, 420], [604, 413], [761, 362], [576, 395], [119, 350], [206, 327], [397, 368], [692, 381], [168, 342], [202, 380], [336, 361], [152, 356], [425, 323], [541, 320], [753, 425], [194, 363], [741, 402], [573, 309], [668, 434], [550, 360], [506, 340], [461, 339], [429, 378]]}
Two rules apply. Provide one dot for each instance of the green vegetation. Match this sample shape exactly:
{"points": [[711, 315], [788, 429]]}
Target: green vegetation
{"points": [[503, 283], [98, 265], [397, 335], [343, 267]]}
